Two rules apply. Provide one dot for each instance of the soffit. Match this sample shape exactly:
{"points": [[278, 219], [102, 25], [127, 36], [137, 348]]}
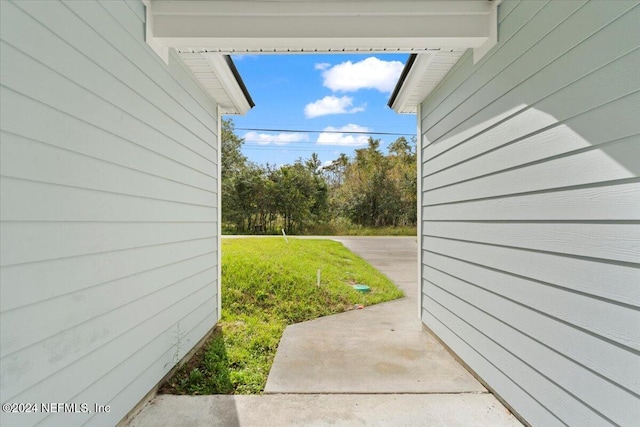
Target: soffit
{"points": [[220, 79], [421, 76]]}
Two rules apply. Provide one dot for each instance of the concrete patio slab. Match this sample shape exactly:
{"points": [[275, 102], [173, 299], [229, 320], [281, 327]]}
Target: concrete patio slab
{"points": [[406, 410], [360, 353]]}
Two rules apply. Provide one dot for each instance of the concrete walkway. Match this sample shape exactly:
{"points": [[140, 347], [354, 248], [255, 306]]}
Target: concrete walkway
{"points": [[373, 367], [381, 349]]}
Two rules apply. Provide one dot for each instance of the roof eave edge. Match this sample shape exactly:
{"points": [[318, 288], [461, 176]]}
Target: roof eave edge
{"points": [[228, 76]]}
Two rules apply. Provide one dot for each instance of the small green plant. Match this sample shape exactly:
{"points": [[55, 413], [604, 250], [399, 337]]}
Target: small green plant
{"points": [[268, 284], [177, 346], [206, 372]]}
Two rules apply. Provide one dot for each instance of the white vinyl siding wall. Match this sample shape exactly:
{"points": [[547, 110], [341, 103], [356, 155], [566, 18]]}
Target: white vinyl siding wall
{"points": [[531, 212], [108, 209]]}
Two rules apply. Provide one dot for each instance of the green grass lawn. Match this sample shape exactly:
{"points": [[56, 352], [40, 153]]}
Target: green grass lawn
{"points": [[341, 228], [268, 284]]}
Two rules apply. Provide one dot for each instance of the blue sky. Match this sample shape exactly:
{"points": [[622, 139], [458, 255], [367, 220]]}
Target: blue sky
{"points": [[318, 93]]}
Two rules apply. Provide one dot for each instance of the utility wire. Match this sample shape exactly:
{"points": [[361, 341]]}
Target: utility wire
{"points": [[326, 131], [289, 148]]}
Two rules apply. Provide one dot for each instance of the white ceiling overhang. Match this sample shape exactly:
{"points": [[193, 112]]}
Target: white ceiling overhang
{"points": [[421, 75], [200, 30], [218, 76]]}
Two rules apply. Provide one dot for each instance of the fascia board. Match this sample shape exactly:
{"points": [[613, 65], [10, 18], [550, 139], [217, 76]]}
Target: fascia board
{"points": [[320, 7], [419, 67], [228, 81]]}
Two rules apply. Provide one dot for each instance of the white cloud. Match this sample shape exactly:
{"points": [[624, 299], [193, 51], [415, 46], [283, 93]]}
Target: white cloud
{"points": [[322, 66], [239, 57], [331, 105], [327, 138], [370, 73], [278, 139]]}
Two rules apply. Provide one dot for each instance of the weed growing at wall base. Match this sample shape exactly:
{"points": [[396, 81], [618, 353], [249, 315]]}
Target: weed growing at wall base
{"points": [[268, 284]]}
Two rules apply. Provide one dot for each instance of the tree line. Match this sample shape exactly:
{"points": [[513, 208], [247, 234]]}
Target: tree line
{"points": [[371, 189]]}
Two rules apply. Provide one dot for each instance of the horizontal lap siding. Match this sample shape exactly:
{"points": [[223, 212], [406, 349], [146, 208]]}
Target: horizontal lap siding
{"points": [[531, 212], [108, 206]]}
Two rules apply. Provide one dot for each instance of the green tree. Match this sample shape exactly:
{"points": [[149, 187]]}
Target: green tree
{"points": [[299, 195], [374, 189], [404, 175], [366, 191], [248, 199], [314, 164], [232, 158], [232, 165]]}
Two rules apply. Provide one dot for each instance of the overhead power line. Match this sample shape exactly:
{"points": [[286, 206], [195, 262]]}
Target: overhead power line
{"points": [[326, 131], [296, 149]]}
